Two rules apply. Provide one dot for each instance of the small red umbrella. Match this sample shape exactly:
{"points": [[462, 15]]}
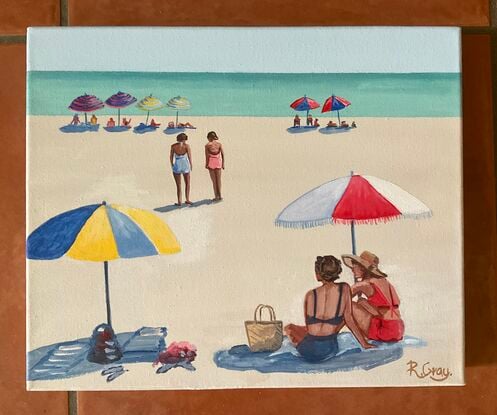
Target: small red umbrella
{"points": [[304, 104], [335, 103]]}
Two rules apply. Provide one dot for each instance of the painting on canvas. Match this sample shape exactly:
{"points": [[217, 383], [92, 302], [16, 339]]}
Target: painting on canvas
{"points": [[243, 208]]}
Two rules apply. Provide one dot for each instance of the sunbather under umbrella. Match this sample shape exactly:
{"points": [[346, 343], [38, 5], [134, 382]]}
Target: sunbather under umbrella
{"points": [[351, 200], [150, 103], [102, 233], [179, 103], [120, 100], [86, 103], [335, 103]]}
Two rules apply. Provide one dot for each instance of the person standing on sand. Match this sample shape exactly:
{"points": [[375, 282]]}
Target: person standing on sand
{"points": [[214, 162], [181, 163]]}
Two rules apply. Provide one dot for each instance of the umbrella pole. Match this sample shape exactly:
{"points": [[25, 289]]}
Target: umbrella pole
{"points": [[338, 113], [118, 117], [352, 232], [148, 113], [86, 118], [107, 295], [177, 112]]}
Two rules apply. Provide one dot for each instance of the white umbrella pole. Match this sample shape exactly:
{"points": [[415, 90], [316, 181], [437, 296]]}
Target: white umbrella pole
{"points": [[177, 112], [148, 113]]}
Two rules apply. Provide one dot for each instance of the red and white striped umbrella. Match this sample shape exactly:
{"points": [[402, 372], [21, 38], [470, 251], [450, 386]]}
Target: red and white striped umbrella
{"points": [[353, 199]]}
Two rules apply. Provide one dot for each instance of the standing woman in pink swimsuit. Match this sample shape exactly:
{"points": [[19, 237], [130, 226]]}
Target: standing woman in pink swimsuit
{"points": [[214, 162]]}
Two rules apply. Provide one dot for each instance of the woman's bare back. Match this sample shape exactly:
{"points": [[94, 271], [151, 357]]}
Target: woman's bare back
{"points": [[214, 147], [327, 302], [180, 148]]}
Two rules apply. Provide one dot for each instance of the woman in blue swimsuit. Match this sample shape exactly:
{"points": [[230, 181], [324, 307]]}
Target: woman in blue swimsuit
{"points": [[181, 163], [326, 310]]}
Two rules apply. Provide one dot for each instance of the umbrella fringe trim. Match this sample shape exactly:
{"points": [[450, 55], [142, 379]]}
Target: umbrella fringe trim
{"points": [[332, 221]]}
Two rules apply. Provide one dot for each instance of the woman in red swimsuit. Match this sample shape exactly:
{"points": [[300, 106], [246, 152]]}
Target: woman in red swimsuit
{"points": [[378, 317], [214, 162]]}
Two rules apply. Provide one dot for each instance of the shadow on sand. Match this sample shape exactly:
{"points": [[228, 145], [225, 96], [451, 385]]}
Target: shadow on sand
{"points": [[198, 203], [300, 130]]}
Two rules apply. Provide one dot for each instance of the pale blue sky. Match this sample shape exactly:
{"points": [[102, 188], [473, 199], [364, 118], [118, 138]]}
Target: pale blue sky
{"points": [[273, 50]]}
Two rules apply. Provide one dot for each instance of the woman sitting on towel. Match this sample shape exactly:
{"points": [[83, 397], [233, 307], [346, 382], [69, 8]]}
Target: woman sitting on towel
{"points": [[378, 317], [326, 310]]}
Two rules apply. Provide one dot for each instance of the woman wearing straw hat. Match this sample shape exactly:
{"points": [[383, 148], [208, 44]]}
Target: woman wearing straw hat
{"points": [[378, 317], [326, 310]]}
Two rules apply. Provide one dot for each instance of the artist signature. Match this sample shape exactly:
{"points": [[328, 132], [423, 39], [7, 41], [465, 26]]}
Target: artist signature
{"points": [[438, 374]]}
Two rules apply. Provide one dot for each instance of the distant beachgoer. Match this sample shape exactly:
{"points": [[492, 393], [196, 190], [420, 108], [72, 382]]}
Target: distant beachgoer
{"points": [[170, 124], [378, 317], [331, 124], [316, 123], [326, 310], [296, 121], [93, 120], [154, 124], [344, 124], [181, 163], [126, 122], [111, 123], [185, 125], [214, 162], [75, 120], [353, 125], [309, 119]]}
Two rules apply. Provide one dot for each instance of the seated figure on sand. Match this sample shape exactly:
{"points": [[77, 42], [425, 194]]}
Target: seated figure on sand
{"points": [[331, 124], [344, 124], [154, 124], [93, 120], [75, 120], [111, 122], [309, 120], [378, 316], [296, 121], [316, 123], [126, 122], [326, 310]]}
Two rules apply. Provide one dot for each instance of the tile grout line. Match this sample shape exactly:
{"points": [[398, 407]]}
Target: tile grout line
{"points": [[72, 407], [64, 13]]}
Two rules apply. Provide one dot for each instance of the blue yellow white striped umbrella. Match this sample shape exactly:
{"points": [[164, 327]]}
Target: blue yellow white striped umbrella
{"points": [[179, 103], [102, 232]]}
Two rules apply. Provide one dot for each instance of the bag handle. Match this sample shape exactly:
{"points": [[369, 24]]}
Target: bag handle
{"points": [[260, 307]]}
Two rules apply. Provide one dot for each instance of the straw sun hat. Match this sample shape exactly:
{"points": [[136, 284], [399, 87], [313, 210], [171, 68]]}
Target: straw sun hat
{"points": [[368, 260]]}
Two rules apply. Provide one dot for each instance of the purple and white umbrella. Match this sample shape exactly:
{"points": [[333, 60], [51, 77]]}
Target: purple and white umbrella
{"points": [[86, 103], [120, 100]]}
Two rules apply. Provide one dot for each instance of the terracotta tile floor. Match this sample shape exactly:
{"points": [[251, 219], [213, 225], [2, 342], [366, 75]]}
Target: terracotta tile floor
{"points": [[278, 12], [15, 16], [478, 397]]}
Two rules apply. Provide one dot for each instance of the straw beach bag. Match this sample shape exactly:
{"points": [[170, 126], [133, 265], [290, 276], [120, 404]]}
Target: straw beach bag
{"points": [[264, 335]]}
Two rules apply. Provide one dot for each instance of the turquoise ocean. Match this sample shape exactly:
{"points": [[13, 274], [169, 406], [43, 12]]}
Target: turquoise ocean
{"points": [[254, 94]]}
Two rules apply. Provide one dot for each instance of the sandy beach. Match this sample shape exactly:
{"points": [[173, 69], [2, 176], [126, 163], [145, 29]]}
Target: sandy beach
{"points": [[233, 257]]}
